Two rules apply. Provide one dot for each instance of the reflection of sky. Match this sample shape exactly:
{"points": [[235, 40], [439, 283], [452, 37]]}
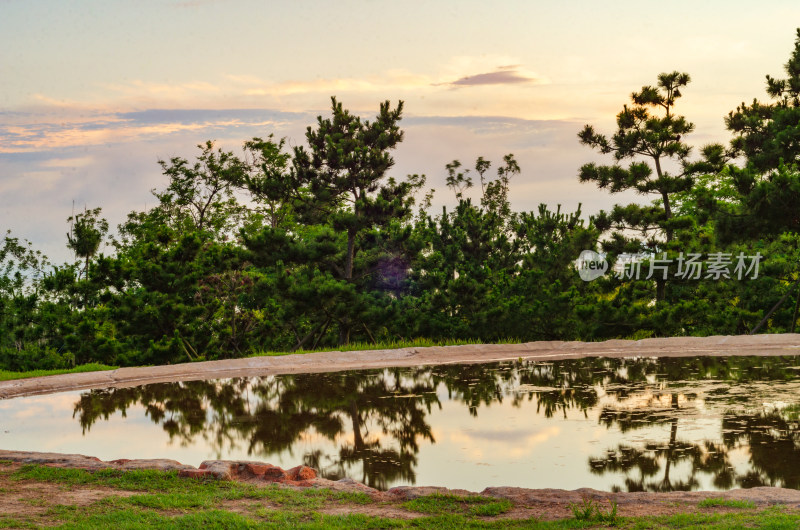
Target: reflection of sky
{"points": [[503, 445]]}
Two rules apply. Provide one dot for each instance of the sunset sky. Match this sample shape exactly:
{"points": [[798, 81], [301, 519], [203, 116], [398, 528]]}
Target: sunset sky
{"points": [[95, 93]]}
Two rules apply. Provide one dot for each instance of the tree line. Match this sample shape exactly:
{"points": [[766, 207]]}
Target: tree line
{"points": [[279, 249]]}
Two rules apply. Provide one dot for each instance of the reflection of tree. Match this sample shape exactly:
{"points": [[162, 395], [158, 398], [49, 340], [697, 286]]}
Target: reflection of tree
{"points": [[270, 414], [641, 465], [378, 418], [774, 443]]}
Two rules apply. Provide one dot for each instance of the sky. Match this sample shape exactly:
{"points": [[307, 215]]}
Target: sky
{"points": [[94, 93]]}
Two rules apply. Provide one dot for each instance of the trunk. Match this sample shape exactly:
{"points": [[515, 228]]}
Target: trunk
{"points": [[673, 437], [667, 214], [661, 285], [351, 250], [344, 334], [665, 198], [344, 327], [321, 334], [358, 440], [304, 339]]}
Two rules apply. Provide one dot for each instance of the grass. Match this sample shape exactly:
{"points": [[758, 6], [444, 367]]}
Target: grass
{"points": [[390, 345], [477, 505], [163, 500], [6, 375], [166, 491], [715, 502], [593, 512]]}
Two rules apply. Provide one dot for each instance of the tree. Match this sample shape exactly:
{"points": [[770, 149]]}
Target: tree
{"points": [[200, 195], [86, 234], [344, 170], [459, 181], [643, 134], [495, 193], [268, 179], [767, 134]]}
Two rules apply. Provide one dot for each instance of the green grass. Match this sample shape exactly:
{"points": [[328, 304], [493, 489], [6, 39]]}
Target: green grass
{"points": [[166, 491], [437, 504], [391, 345], [163, 500], [714, 502], [593, 512], [6, 375]]}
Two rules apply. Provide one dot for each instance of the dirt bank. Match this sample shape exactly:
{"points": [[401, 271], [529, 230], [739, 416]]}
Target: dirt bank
{"points": [[541, 503], [334, 361]]}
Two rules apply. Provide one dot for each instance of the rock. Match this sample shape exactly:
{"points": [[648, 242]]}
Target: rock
{"points": [[232, 469], [275, 474], [195, 473], [415, 492], [221, 469], [160, 464], [61, 460], [256, 470], [346, 485], [301, 473]]}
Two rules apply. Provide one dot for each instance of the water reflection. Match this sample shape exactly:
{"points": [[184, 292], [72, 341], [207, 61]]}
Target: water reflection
{"points": [[378, 420]]}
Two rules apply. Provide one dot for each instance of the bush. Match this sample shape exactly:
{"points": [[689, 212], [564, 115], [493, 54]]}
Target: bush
{"points": [[35, 357]]}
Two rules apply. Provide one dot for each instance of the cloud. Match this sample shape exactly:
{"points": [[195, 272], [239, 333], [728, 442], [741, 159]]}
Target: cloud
{"points": [[499, 77], [392, 80], [66, 131]]}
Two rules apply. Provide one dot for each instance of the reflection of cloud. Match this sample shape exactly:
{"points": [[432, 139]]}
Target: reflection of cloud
{"points": [[513, 443], [650, 399]]}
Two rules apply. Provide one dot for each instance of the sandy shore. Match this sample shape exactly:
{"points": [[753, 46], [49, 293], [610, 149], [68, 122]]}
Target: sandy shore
{"points": [[334, 361]]}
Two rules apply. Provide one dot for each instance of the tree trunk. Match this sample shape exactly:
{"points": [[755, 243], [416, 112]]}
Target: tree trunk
{"points": [[344, 334], [351, 248], [358, 440], [666, 484], [667, 215], [661, 285], [665, 198], [661, 289], [344, 326]]}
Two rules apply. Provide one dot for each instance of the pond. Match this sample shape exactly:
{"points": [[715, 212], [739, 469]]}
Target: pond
{"points": [[654, 424]]}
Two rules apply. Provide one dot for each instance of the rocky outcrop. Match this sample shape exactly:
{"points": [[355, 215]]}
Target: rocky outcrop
{"points": [[217, 469], [245, 470], [89, 462], [531, 497]]}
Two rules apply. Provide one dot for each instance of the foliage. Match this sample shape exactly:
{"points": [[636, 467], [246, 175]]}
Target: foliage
{"points": [[319, 246]]}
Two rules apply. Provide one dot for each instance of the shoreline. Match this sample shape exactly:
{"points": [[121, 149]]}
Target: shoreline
{"points": [[302, 477], [336, 361]]}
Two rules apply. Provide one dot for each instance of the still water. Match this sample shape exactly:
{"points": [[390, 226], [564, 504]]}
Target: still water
{"points": [[656, 424]]}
